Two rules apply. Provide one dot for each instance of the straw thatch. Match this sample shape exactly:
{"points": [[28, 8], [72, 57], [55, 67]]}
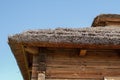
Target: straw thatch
{"points": [[99, 35], [106, 20]]}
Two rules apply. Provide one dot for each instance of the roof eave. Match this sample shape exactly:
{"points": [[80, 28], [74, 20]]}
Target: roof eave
{"points": [[19, 54]]}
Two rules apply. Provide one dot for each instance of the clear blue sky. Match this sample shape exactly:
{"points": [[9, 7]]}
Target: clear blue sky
{"points": [[19, 15]]}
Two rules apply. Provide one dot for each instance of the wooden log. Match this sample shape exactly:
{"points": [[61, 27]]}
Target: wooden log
{"points": [[32, 50], [95, 65]]}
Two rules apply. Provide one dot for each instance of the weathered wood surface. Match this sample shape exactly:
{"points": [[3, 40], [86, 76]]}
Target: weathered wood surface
{"points": [[67, 64], [71, 45], [42, 62], [74, 79], [107, 20], [35, 67], [41, 76], [31, 50], [112, 78]]}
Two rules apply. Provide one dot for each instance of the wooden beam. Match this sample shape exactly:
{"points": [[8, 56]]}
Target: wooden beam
{"points": [[42, 61], [35, 67], [26, 61], [82, 52], [71, 45], [32, 50]]}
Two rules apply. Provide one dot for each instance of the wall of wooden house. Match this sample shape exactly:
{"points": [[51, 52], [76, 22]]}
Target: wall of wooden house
{"points": [[67, 64]]}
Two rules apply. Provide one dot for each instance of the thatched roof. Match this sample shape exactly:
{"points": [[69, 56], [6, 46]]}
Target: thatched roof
{"points": [[93, 37], [99, 35], [107, 20]]}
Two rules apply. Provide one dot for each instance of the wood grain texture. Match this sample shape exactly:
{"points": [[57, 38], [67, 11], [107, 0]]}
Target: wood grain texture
{"points": [[112, 78], [107, 20], [67, 64]]}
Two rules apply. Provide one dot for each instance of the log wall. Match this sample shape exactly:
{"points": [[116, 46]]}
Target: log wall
{"points": [[66, 64]]}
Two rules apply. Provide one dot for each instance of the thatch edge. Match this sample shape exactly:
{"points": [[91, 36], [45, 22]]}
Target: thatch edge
{"points": [[94, 35]]}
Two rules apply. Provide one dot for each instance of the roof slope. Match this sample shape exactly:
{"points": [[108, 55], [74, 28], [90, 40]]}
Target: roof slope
{"points": [[99, 35], [106, 20]]}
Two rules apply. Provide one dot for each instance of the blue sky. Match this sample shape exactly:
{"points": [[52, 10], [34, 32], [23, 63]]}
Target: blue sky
{"points": [[20, 15]]}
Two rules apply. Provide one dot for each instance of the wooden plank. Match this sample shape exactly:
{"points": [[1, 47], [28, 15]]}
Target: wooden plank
{"points": [[97, 55], [67, 64], [42, 62], [78, 75], [73, 76], [79, 60], [81, 70], [35, 67], [85, 60], [96, 64], [70, 45]]}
